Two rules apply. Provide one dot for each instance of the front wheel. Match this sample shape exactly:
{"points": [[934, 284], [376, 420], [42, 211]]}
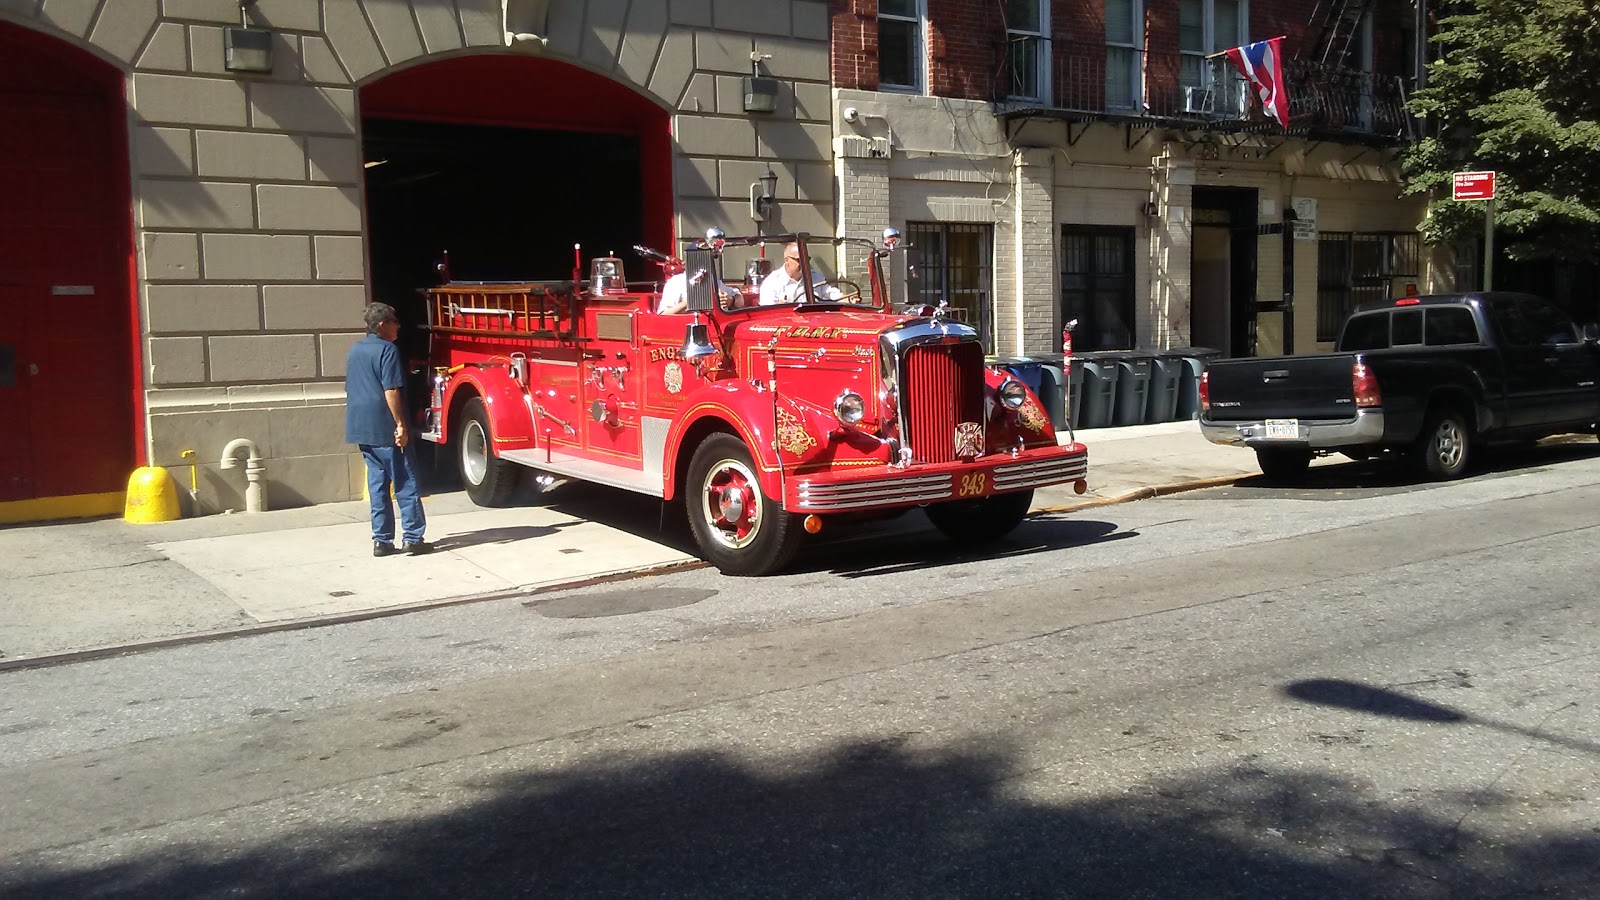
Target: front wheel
{"points": [[489, 480], [739, 529], [981, 521], [1445, 444], [1283, 465]]}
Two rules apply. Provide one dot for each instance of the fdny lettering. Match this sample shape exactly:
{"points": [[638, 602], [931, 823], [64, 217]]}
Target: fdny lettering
{"points": [[657, 354], [802, 331]]}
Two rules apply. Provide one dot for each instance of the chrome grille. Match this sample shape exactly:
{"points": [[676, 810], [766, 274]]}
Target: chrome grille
{"points": [[943, 386]]}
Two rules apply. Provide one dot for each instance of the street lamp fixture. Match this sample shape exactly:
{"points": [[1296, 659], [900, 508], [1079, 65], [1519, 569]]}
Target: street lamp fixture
{"points": [[762, 198]]}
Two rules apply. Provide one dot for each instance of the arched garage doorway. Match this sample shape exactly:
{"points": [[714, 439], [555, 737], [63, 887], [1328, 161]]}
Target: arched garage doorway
{"points": [[506, 162], [67, 380]]}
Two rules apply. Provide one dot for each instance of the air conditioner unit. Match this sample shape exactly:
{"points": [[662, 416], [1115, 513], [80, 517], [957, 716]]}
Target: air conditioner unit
{"points": [[1200, 101]]}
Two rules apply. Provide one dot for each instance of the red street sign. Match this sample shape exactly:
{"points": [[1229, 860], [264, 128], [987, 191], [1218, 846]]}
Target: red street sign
{"points": [[1472, 186]]}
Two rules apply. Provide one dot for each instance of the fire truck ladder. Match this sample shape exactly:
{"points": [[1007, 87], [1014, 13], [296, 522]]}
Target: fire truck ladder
{"points": [[1336, 23]]}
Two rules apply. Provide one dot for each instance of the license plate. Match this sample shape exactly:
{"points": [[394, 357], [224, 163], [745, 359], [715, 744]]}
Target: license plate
{"points": [[1283, 428]]}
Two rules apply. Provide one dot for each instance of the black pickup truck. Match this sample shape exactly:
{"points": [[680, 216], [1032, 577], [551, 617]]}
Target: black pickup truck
{"points": [[1426, 377]]}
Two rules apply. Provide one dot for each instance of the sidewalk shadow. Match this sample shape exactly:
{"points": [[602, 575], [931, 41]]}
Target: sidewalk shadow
{"points": [[508, 534], [899, 815]]}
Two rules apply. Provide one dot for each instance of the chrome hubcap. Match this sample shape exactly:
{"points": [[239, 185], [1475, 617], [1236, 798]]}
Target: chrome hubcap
{"points": [[1448, 444], [731, 504], [474, 453]]}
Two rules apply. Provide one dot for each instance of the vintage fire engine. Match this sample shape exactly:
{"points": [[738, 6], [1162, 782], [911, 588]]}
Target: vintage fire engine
{"points": [[769, 421]]}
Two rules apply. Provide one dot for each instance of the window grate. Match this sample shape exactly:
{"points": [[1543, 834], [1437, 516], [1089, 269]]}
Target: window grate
{"points": [[954, 261]]}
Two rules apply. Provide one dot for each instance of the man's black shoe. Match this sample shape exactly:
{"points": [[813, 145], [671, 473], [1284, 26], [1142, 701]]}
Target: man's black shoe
{"points": [[417, 549], [379, 548]]}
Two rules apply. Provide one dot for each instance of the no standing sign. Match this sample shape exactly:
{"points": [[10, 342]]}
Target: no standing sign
{"points": [[1472, 186]]}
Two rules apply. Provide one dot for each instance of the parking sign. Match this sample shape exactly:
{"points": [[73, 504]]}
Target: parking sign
{"points": [[1472, 186]]}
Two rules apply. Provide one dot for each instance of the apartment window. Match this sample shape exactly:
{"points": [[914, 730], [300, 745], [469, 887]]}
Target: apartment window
{"points": [[1097, 286], [1206, 27], [954, 262], [1124, 36], [1353, 269], [900, 44], [1027, 48]]}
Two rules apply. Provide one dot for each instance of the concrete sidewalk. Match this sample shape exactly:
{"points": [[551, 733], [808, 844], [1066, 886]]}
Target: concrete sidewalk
{"points": [[89, 587]]}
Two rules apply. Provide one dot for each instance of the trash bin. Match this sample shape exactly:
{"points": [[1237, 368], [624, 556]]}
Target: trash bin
{"points": [[1194, 362], [1053, 387], [1099, 389], [1166, 375], [1075, 395], [1133, 388]]}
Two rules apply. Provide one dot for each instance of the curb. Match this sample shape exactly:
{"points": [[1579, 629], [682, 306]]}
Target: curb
{"points": [[207, 637]]}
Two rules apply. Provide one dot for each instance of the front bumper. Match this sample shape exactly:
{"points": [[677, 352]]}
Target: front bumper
{"points": [[1365, 430], [885, 487]]}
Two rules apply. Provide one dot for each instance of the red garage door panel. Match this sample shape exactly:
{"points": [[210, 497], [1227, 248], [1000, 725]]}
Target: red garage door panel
{"points": [[65, 357]]}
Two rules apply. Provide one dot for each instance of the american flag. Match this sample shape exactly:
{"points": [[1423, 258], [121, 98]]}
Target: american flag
{"points": [[1262, 64]]}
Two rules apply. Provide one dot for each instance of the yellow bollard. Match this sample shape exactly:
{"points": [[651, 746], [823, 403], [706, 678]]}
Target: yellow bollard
{"points": [[152, 497]]}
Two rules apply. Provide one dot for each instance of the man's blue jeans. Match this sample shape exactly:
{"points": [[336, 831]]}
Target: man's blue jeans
{"points": [[386, 466]]}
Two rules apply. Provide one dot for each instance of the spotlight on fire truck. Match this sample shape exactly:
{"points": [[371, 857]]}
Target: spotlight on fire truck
{"points": [[716, 238], [1013, 393], [891, 237]]}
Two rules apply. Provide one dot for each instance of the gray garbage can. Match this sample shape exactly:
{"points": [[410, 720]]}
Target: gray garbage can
{"points": [[1099, 392], [1053, 388], [1075, 394], [1194, 362], [1166, 375], [1133, 389]]}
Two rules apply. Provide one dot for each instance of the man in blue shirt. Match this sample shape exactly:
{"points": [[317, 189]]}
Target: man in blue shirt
{"points": [[375, 421]]}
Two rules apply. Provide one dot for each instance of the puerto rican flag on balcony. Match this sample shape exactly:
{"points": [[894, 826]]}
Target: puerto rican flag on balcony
{"points": [[1262, 64]]}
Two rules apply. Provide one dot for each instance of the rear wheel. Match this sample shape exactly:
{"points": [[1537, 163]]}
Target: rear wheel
{"points": [[489, 480], [739, 529], [1443, 450], [981, 521], [1283, 465]]}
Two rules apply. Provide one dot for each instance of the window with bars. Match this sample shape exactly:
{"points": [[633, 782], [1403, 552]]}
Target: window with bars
{"points": [[1097, 286], [1027, 49], [954, 262], [1355, 268], [900, 43]]}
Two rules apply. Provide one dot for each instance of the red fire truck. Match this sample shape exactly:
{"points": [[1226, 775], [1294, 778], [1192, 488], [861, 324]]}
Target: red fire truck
{"points": [[769, 421]]}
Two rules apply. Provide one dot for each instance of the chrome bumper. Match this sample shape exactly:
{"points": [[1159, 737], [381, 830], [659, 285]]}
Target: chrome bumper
{"points": [[1316, 434], [883, 487]]}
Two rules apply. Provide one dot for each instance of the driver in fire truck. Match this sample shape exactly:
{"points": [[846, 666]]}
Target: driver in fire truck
{"points": [[785, 286]]}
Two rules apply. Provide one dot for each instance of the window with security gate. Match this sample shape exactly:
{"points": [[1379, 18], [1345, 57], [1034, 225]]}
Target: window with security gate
{"points": [[1097, 286], [1355, 268], [954, 262]]}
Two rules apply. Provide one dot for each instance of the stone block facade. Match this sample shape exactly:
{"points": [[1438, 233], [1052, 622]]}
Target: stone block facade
{"points": [[248, 202]]}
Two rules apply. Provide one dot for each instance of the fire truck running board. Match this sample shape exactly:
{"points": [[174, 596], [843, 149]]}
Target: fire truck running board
{"points": [[589, 470]]}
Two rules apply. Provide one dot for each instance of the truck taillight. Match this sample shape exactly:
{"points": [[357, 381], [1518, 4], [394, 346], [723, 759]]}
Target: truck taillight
{"points": [[1364, 385], [1205, 391]]}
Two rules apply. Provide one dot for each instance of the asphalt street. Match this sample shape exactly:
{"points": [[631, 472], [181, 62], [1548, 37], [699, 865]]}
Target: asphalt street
{"points": [[1361, 688]]}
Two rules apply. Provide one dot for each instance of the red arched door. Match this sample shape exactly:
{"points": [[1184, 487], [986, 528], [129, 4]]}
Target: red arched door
{"points": [[66, 391]]}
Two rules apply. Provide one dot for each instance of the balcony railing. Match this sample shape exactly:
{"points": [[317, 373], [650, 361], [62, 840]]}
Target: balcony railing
{"points": [[1109, 81]]}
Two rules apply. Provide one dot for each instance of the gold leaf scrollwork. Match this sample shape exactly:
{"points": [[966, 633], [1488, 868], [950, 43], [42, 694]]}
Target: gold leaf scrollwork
{"points": [[1033, 418], [792, 435]]}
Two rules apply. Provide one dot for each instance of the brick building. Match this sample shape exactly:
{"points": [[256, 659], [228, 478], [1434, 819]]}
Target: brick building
{"points": [[1090, 159], [203, 193]]}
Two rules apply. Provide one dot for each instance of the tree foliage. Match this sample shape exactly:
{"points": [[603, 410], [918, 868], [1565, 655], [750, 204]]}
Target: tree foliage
{"points": [[1516, 89]]}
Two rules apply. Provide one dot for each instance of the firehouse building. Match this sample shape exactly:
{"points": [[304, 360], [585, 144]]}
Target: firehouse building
{"points": [[201, 194]]}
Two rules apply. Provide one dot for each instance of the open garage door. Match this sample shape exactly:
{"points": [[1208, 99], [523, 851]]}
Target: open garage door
{"points": [[67, 380], [506, 162]]}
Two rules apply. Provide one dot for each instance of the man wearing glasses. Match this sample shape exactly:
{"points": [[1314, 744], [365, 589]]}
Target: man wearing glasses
{"points": [[375, 421], [786, 285]]}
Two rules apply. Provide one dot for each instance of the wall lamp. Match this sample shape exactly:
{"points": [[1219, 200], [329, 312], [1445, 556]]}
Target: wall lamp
{"points": [[760, 91], [762, 198], [247, 49]]}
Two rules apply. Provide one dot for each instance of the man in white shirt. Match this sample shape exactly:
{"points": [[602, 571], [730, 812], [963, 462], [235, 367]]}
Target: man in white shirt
{"points": [[675, 294], [785, 285]]}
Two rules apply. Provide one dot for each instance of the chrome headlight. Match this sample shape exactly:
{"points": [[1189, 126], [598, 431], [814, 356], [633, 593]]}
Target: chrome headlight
{"points": [[850, 408], [1013, 393]]}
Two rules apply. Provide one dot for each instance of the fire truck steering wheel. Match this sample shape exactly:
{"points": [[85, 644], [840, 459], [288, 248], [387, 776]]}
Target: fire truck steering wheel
{"points": [[849, 291]]}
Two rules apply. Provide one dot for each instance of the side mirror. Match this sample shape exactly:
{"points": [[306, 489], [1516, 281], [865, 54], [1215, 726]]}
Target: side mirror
{"points": [[1591, 333]]}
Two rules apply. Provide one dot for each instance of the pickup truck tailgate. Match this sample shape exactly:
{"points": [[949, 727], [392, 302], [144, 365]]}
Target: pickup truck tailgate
{"points": [[1304, 387]]}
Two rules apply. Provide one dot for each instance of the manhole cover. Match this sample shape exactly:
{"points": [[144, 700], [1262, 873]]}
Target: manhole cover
{"points": [[617, 603]]}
